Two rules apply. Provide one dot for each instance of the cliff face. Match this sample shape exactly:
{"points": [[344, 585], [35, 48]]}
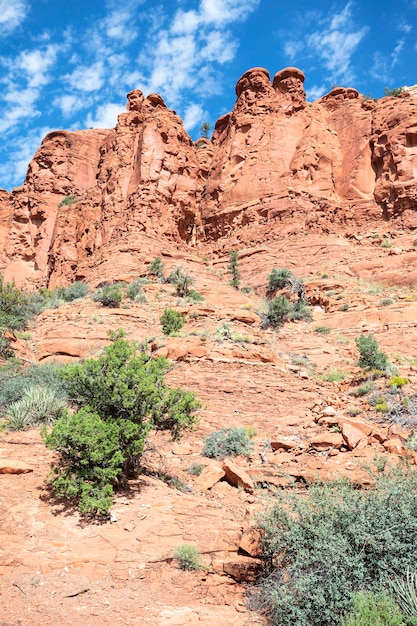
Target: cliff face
{"points": [[275, 162]]}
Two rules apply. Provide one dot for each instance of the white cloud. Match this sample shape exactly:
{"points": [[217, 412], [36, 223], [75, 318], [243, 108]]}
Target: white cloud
{"points": [[315, 92], [86, 78], [12, 14], [14, 171], [194, 115], [105, 116], [181, 53], [70, 104], [36, 63], [336, 43]]}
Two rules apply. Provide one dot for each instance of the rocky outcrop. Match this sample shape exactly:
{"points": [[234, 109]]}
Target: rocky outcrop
{"points": [[276, 162]]}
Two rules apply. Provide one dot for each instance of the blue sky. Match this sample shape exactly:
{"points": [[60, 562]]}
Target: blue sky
{"points": [[69, 63]]}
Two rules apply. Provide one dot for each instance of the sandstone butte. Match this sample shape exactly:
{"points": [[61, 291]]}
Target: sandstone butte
{"points": [[327, 189]]}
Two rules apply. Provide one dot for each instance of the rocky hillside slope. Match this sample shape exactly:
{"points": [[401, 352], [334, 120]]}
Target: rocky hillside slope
{"points": [[324, 189]]}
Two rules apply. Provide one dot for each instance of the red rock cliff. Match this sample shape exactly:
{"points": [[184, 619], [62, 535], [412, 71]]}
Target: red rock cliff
{"points": [[275, 160]]}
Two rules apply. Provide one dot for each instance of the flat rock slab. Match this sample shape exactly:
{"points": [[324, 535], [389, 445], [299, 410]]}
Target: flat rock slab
{"points": [[12, 466]]}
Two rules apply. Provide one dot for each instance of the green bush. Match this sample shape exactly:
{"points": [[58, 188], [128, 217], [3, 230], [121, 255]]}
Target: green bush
{"points": [[110, 296], [182, 281], [227, 442], [134, 289], [79, 289], [156, 268], [188, 556], [68, 200], [278, 279], [370, 355], [278, 311], [171, 321], [323, 330], [14, 306], [373, 610], [195, 469], [233, 269], [321, 548], [122, 395]]}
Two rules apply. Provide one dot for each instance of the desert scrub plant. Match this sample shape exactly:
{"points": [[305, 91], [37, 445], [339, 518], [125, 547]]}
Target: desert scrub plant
{"points": [[182, 281], [322, 330], [195, 469], [397, 381], [233, 269], [363, 389], [373, 610], [110, 296], [122, 396], [370, 357], [156, 268], [134, 289], [15, 381], [38, 406], [68, 200], [334, 376], [322, 548], [405, 593], [188, 556], [386, 302], [278, 279], [227, 442], [171, 321], [79, 289]]}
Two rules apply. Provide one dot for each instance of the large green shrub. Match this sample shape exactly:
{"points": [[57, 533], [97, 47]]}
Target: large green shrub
{"points": [[171, 321], [370, 357], [14, 306], [324, 546], [123, 396]]}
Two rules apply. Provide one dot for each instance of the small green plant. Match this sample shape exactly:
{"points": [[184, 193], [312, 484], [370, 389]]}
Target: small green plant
{"points": [[373, 610], [68, 200], [79, 289], [182, 281], [386, 243], [188, 556], [15, 381], [109, 296], [172, 321], [120, 333], [363, 389], [386, 302], [370, 357], [156, 268], [195, 469], [278, 279], [334, 376], [344, 307], [134, 289], [322, 330], [38, 406], [405, 593], [194, 296], [393, 92], [381, 407], [233, 269], [205, 129], [227, 442], [397, 381]]}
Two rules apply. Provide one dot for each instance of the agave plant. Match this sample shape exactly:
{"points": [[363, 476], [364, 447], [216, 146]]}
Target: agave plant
{"points": [[38, 405], [17, 416], [405, 591]]}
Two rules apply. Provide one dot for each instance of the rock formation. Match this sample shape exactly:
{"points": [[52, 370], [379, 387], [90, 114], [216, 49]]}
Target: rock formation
{"points": [[275, 162]]}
